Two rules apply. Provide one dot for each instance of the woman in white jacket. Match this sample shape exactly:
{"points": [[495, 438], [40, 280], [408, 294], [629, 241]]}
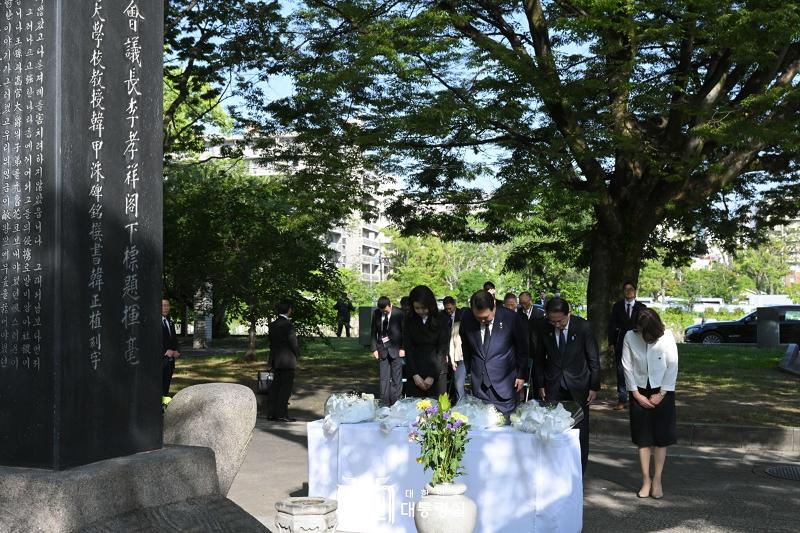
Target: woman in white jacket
{"points": [[650, 360]]}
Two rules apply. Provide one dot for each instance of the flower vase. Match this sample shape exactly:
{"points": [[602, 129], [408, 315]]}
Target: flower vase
{"points": [[445, 509]]}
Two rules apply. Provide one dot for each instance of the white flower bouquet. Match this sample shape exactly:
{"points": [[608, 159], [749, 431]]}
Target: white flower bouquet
{"points": [[347, 408], [544, 420], [481, 415], [403, 413]]}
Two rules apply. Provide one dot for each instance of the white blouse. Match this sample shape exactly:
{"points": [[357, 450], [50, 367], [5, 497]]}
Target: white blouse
{"points": [[657, 362]]}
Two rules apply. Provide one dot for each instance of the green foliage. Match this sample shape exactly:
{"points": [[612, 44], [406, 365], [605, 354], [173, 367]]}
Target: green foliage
{"points": [[611, 129], [442, 435], [214, 50], [766, 265], [360, 292], [245, 235]]}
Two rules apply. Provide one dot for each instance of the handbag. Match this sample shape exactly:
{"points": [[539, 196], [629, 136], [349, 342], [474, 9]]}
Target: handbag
{"points": [[264, 381]]}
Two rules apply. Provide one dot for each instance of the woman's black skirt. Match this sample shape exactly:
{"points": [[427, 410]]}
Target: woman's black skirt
{"points": [[653, 427]]}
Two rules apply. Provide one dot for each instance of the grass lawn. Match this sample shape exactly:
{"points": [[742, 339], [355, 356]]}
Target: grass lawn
{"points": [[719, 384]]}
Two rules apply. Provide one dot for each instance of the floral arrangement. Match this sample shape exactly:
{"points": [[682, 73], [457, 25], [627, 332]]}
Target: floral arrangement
{"points": [[402, 414], [442, 437], [347, 409], [544, 420], [482, 415]]}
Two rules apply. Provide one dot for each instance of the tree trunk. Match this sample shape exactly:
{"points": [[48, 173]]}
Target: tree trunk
{"points": [[202, 307], [615, 259], [250, 354], [184, 320]]}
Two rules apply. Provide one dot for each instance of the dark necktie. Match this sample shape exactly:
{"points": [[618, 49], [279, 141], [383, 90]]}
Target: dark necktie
{"points": [[385, 326], [562, 341], [486, 336], [629, 310]]}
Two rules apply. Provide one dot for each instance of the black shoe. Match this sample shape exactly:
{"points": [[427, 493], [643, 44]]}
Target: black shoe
{"points": [[286, 419], [271, 418]]}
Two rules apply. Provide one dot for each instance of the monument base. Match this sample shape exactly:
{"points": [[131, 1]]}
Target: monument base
{"points": [[211, 514], [69, 500]]}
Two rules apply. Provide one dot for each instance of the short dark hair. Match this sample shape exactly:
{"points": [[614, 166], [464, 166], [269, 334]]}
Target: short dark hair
{"points": [[404, 301], [383, 301], [488, 285], [482, 300], [632, 284], [523, 293], [509, 295], [449, 300], [424, 295], [283, 307], [650, 325], [557, 305]]}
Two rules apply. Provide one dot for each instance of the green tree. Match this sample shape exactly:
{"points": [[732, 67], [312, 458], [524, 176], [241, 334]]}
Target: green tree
{"points": [[645, 122], [214, 51], [251, 240], [766, 265]]}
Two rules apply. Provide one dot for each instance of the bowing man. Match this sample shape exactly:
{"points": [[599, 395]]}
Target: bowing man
{"points": [[568, 364], [495, 347]]}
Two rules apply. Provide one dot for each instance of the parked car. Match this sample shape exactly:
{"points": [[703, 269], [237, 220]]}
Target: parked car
{"points": [[744, 329]]}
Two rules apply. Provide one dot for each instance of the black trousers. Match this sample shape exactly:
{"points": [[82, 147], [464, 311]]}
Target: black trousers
{"points": [[279, 394], [391, 371], [560, 394], [345, 325], [167, 368]]}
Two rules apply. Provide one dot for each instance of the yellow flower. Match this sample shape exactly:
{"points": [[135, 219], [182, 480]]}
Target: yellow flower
{"points": [[458, 416], [423, 404]]}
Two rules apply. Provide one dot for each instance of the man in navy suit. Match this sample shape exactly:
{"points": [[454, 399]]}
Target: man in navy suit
{"points": [[495, 347], [567, 364], [624, 315]]}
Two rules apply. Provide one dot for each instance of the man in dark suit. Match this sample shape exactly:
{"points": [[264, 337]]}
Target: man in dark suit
{"points": [[169, 349], [489, 287], [568, 364], [542, 298], [283, 354], [495, 348], [343, 309], [386, 334], [624, 314], [533, 318]]}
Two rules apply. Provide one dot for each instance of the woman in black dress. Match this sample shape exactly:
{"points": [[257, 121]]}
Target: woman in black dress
{"points": [[425, 342], [650, 360]]}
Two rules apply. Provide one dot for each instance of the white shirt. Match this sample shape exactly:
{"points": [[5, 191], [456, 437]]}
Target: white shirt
{"points": [[284, 316], [528, 311], [483, 329], [558, 334], [657, 362], [630, 303]]}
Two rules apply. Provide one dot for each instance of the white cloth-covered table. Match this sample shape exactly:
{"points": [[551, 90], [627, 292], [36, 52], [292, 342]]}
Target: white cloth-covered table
{"points": [[519, 482]]}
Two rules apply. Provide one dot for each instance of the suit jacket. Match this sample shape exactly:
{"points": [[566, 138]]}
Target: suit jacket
{"points": [[619, 324], [283, 347], [395, 333], [425, 345], [579, 366], [506, 357], [343, 309], [169, 335]]}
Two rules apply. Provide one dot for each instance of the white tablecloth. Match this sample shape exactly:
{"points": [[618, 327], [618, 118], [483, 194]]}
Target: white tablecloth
{"points": [[519, 482]]}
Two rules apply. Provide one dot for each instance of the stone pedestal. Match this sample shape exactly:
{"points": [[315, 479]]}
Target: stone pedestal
{"points": [[297, 515], [64, 501]]}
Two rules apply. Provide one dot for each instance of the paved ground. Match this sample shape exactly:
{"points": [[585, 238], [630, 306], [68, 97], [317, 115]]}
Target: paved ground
{"points": [[706, 489]]}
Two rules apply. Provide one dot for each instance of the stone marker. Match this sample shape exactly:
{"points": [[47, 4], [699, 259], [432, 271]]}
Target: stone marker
{"points": [[304, 514], [220, 416], [791, 360], [80, 261]]}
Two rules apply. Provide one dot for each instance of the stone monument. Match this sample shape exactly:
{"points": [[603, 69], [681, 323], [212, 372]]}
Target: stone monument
{"points": [[80, 263]]}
